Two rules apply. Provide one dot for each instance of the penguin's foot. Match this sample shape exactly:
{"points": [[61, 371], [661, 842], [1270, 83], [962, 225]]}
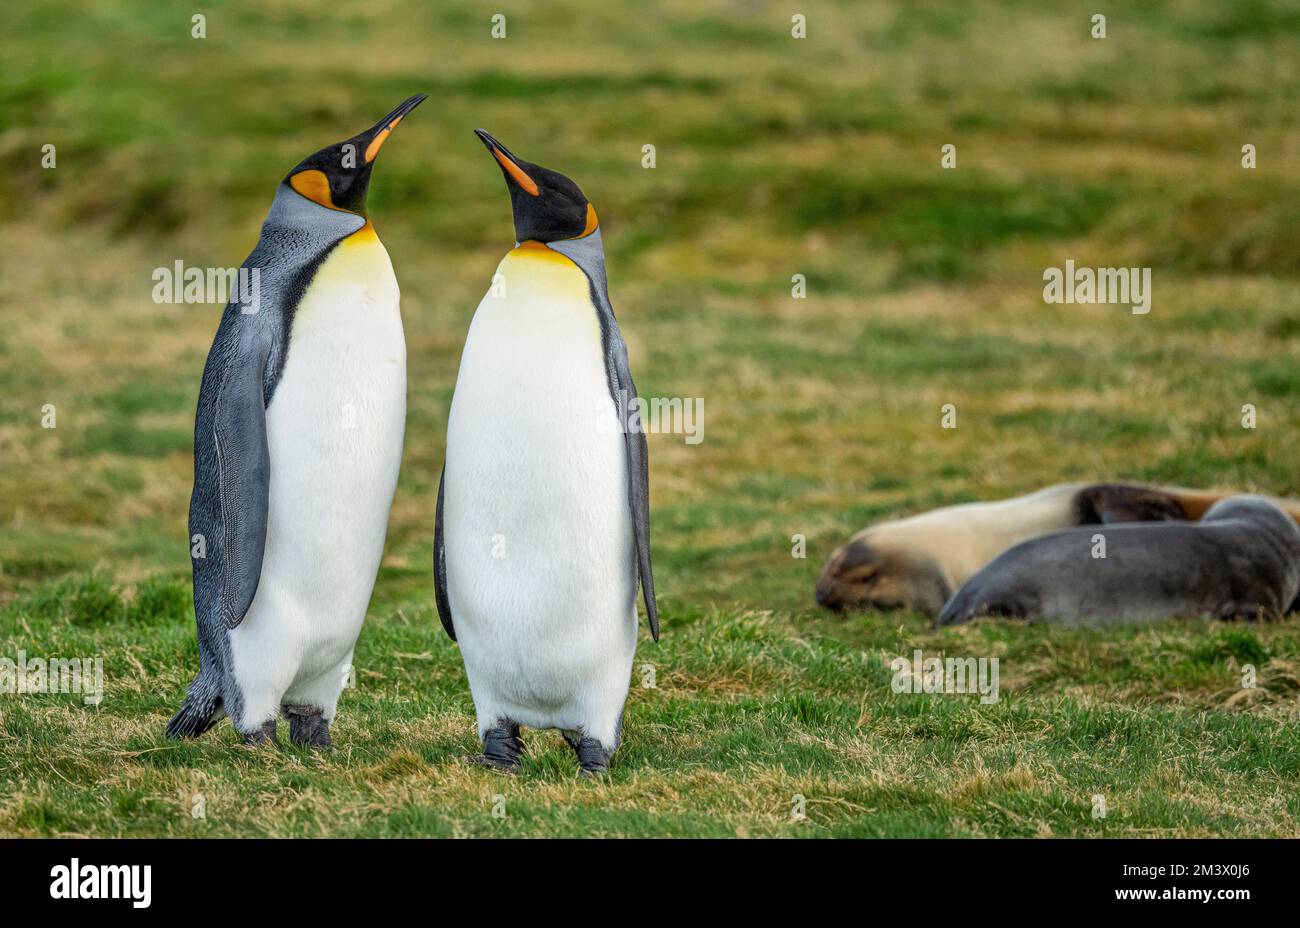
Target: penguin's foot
{"points": [[262, 736], [308, 727], [501, 748], [593, 758]]}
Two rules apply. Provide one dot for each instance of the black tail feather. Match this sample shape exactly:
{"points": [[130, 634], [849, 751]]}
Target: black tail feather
{"points": [[199, 712]]}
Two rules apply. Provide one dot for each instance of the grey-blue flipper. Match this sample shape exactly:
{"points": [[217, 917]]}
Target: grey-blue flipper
{"points": [[227, 508], [243, 475], [588, 253], [440, 563]]}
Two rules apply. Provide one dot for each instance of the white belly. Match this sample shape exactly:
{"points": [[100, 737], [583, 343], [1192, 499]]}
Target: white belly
{"points": [[334, 429], [541, 570]]}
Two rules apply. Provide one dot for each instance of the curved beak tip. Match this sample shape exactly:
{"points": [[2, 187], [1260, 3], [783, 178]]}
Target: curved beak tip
{"points": [[379, 134], [410, 103]]}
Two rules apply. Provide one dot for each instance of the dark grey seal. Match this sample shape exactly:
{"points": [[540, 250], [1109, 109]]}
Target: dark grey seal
{"points": [[1241, 560]]}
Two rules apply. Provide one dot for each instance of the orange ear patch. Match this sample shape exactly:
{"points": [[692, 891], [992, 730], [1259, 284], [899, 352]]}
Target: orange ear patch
{"points": [[592, 222], [315, 186], [515, 171]]}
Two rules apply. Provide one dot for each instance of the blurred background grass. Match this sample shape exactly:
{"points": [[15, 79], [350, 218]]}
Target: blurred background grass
{"points": [[775, 157]]}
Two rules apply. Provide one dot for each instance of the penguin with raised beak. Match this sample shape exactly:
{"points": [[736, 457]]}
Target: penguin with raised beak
{"points": [[297, 443], [543, 523]]}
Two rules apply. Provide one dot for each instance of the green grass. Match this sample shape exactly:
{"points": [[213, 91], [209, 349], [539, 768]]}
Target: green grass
{"points": [[775, 157], [748, 711]]}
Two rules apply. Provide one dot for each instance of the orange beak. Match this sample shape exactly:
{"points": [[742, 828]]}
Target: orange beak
{"points": [[382, 129], [508, 163]]}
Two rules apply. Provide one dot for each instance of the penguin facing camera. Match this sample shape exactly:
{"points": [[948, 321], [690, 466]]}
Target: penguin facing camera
{"points": [[543, 522]]}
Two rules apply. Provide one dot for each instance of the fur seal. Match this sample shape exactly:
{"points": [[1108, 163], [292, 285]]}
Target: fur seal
{"points": [[916, 563], [1242, 560]]}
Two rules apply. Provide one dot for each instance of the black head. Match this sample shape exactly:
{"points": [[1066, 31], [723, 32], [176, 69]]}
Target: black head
{"points": [[338, 177], [548, 206]]}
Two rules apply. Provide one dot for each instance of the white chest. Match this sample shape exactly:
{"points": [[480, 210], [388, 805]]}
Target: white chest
{"points": [[536, 506], [334, 430]]}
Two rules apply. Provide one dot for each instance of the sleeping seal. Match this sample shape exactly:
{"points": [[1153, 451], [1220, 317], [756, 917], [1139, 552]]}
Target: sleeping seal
{"points": [[916, 563], [1241, 560]]}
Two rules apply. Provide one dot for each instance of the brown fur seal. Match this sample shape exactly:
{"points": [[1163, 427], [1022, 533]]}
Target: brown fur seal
{"points": [[916, 563], [1241, 561]]}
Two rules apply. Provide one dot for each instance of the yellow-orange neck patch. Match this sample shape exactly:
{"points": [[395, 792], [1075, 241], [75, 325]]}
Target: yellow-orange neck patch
{"points": [[533, 249], [364, 236]]}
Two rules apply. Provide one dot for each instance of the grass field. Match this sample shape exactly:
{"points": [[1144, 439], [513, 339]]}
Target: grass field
{"points": [[775, 157]]}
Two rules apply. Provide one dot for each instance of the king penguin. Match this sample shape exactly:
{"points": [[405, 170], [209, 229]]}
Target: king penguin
{"points": [[543, 521], [297, 443]]}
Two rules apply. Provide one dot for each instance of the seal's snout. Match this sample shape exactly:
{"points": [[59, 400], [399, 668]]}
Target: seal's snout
{"points": [[847, 578], [827, 598]]}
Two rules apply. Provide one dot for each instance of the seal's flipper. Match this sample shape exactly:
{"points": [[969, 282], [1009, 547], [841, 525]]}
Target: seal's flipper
{"points": [[1108, 503], [975, 599]]}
